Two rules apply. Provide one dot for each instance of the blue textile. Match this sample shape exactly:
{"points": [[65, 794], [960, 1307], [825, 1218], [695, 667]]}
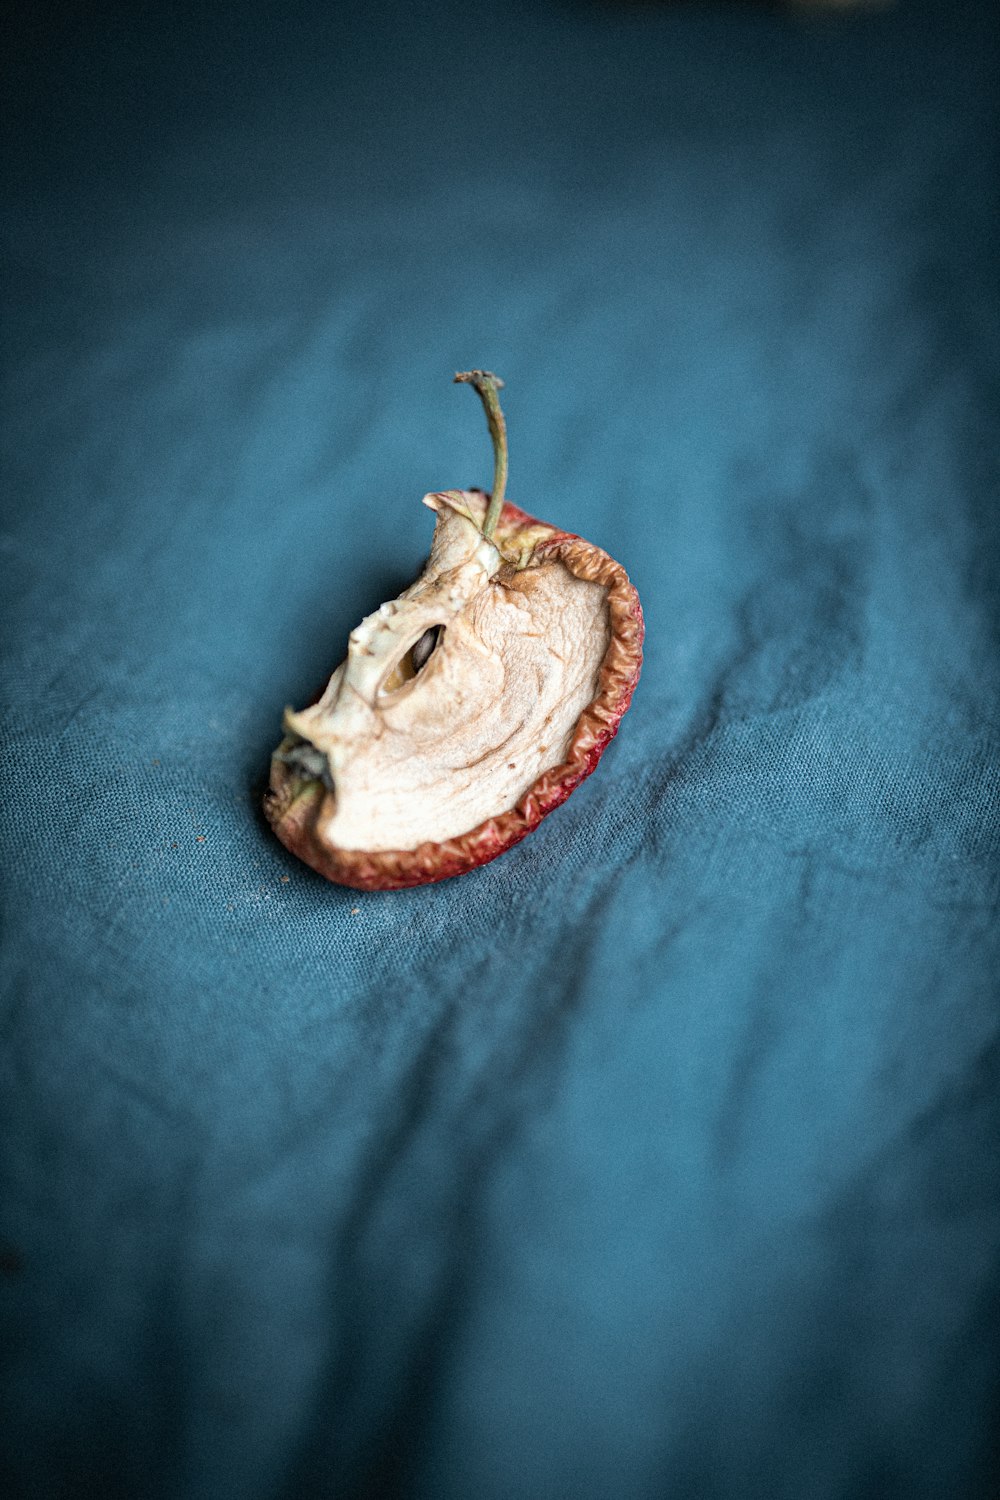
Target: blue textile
{"points": [[659, 1157]]}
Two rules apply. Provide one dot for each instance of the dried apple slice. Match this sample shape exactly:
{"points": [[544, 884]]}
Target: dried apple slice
{"points": [[467, 708]]}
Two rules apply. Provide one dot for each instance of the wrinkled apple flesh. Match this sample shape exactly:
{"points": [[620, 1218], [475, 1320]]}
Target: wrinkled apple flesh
{"points": [[470, 707], [454, 698]]}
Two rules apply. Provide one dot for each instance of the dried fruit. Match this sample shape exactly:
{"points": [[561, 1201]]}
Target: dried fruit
{"points": [[467, 708]]}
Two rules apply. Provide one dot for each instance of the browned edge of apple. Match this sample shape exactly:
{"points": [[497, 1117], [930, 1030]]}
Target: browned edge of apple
{"points": [[295, 820]]}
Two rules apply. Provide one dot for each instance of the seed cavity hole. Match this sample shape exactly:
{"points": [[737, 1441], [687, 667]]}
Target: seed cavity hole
{"points": [[309, 762], [413, 660]]}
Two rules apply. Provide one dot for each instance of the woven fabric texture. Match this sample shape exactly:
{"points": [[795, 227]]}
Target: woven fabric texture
{"points": [[658, 1159]]}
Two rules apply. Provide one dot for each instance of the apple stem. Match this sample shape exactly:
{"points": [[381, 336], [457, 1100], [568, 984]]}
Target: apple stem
{"points": [[487, 385]]}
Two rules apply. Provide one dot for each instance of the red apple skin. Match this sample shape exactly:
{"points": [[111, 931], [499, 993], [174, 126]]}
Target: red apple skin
{"points": [[294, 813]]}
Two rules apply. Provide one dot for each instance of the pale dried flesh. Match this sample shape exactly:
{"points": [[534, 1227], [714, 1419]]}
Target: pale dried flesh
{"points": [[466, 709], [425, 756]]}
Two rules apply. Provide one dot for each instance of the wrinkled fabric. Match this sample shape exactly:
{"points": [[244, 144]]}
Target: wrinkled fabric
{"points": [[659, 1157]]}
